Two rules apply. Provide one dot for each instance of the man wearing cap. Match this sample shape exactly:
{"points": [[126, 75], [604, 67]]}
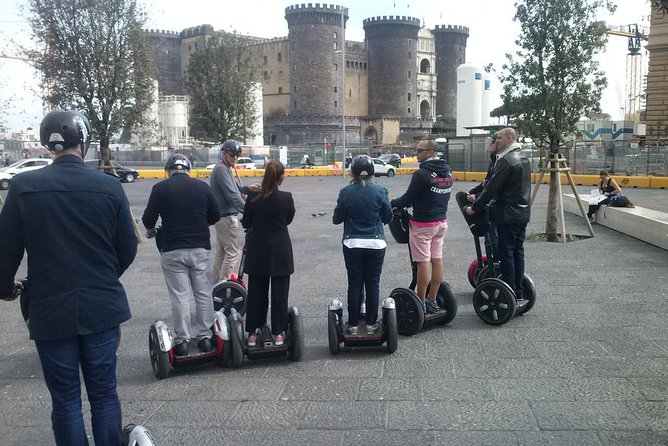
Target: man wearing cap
{"points": [[508, 194], [475, 192]]}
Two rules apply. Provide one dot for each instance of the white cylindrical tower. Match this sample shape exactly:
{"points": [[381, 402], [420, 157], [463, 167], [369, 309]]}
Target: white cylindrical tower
{"points": [[469, 97], [485, 98]]}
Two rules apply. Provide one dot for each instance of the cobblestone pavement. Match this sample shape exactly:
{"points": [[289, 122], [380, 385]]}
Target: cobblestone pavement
{"points": [[587, 366]]}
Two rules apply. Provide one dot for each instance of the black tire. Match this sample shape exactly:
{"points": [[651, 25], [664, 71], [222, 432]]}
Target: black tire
{"points": [[390, 173], [130, 178], [390, 319], [237, 341], [159, 359], [446, 300], [5, 183], [229, 294], [529, 290], [296, 334], [333, 332], [494, 301], [410, 314]]}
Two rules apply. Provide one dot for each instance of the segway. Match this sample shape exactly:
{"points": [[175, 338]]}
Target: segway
{"points": [[411, 316], [265, 348], [494, 300], [387, 332], [232, 293], [163, 357]]}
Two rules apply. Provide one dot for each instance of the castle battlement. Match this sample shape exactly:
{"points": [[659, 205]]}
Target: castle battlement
{"points": [[451, 29], [317, 8], [384, 20], [201, 30], [161, 32]]}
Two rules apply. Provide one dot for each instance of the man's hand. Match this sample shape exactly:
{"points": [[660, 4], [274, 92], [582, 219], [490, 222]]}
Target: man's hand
{"points": [[150, 233], [469, 210], [18, 287], [470, 198]]}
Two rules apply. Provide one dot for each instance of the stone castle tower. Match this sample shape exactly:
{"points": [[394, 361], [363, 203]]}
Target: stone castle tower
{"points": [[450, 49]]}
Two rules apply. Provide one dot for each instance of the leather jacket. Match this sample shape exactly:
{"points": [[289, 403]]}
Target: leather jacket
{"points": [[509, 187]]}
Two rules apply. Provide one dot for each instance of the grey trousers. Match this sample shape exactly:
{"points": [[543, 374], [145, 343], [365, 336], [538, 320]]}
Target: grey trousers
{"points": [[228, 251], [186, 274]]}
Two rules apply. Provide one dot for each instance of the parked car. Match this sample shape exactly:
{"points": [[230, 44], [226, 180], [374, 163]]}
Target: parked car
{"points": [[381, 168], [26, 165], [391, 158], [125, 174], [244, 162]]}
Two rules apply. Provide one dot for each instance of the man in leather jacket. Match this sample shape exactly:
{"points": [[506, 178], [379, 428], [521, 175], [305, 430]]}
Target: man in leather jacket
{"points": [[510, 188]]}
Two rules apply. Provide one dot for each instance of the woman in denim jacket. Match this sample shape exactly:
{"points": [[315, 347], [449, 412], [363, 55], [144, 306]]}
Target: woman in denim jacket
{"points": [[363, 207]]}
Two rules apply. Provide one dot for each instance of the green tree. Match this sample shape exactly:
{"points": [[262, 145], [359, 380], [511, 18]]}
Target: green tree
{"points": [[661, 4], [221, 79], [554, 79], [94, 57]]}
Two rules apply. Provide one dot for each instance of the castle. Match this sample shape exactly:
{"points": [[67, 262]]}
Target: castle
{"points": [[400, 83]]}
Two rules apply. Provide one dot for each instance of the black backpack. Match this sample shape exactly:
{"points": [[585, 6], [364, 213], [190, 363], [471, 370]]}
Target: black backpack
{"points": [[622, 202]]}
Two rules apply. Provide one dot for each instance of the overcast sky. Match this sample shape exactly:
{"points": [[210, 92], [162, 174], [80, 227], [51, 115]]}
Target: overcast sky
{"points": [[492, 35]]}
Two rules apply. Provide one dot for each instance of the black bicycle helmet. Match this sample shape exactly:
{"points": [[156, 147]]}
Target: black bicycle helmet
{"points": [[232, 147], [177, 163], [65, 129], [399, 225], [362, 164]]}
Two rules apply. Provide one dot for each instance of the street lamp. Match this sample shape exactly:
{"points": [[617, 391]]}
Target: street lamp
{"points": [[343, 87]]}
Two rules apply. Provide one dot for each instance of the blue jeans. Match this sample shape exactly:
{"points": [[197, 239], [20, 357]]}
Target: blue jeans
{"points": [[364, 267], [511, 254], [96, 354]]}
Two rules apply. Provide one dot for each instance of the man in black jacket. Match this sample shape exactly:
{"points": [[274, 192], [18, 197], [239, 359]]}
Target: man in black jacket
{"points": [[510, 188], [74, 223], [187, 208], [428, 194]]}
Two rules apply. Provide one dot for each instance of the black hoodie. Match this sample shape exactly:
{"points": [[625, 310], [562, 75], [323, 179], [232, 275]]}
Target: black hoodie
{"points": [[429, 191]]}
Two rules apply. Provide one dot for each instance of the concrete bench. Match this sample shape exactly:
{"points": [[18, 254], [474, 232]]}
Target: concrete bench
{"points": [[644, 224]]}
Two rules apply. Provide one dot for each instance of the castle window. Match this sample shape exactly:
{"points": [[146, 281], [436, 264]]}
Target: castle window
{"points": [[409, 55], [294, 45], [190, 48], [336, 67], [294, 67], [425, 66], [409, 97], [280, 90], [336, 104], [294, 88], [336, 35], [347, 64], [336, 89], [350, 93], [265, 60], [409, 75], [279, 57], [336, 46], [266, 75], [409, 110], [365, 66], [295, 105]]}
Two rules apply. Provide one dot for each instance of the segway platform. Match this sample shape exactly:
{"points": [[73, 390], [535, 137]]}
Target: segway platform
{"points": [[265, 348], [386, 334], [161, 348]]}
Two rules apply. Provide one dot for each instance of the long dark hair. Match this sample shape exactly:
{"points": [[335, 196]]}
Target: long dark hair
{"points": [[273, 172]]}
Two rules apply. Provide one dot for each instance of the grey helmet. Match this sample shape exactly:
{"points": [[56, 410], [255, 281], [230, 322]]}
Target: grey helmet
{"points": [[362, 164], [177, 163], [232, 147]]}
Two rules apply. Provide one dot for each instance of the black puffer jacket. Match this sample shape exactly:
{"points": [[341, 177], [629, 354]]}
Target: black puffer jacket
{"points": [[510, 187]]}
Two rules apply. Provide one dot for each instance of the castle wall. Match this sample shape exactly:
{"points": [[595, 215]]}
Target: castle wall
{"points": [[166, 50], [656, 116], [272, 59], [392, 49], [450, 46]]}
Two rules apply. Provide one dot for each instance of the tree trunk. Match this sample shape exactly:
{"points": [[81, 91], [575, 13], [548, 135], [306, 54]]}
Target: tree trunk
{"points": [[551, 221]]}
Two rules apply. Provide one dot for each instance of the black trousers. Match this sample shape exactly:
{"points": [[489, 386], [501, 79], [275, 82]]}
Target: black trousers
{"points": [[258, 302], [364, 267], [511, 255]]}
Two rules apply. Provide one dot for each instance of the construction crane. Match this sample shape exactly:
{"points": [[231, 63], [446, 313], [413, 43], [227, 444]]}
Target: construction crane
{"points": [[635, 99]]}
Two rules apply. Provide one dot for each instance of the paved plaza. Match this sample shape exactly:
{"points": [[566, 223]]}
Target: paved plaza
{"points": [[588, 365]]}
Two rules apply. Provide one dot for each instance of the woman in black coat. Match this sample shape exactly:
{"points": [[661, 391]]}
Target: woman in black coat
{"points": [[267, 215]]}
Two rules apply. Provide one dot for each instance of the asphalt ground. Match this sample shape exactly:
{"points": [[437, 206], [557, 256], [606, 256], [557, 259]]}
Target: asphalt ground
{"points": [[588, 365]]}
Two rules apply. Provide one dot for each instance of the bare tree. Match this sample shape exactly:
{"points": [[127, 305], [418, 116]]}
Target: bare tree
{"points": [[221, 79], [94, 57]]}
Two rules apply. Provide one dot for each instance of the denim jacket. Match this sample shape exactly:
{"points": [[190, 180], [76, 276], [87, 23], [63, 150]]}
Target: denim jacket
{"points": [[363, 208]]}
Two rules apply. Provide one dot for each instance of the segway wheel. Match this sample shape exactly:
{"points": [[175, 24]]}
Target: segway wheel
{"points": [[529, 290], [488, 272], [229, 294], [237, 340], [333, 331], [159, 359], [296, 333], [474, 270], [226, 354], [494, 301], [446, 300], [390, 320], [410, 314]]}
